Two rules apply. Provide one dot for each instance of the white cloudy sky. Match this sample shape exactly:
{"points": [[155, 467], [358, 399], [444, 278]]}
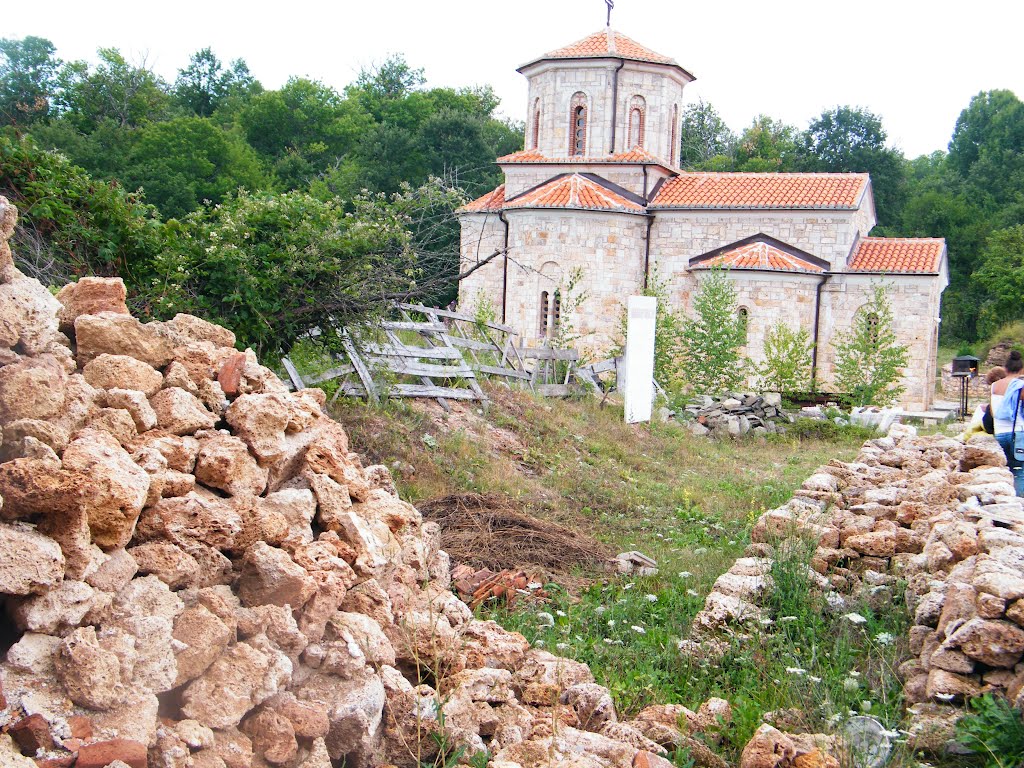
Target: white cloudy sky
{"points": [[914, 62]]}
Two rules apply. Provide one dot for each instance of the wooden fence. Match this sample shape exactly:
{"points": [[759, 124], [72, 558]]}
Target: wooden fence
{"points": [[440, 354]]}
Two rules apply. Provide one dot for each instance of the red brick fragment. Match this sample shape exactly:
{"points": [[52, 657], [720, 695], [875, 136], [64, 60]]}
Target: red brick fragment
{"points": [[101, 753], [230, 375], [31, 734], [81, 727], [64, 761]]}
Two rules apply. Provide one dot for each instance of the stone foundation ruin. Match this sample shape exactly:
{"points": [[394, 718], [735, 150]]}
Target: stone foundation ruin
{"points": [[199, 573]]}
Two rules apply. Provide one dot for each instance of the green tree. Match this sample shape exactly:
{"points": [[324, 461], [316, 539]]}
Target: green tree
{"points": [[204, 85], [183, 162], [869, 361], [272, 267], [713, 337], [1000, 277], [787, 364], [127, 94], [70, 225], [28, 70], [848, 139], [379, 88], [987, 151], [767, 145], [704, 137]]}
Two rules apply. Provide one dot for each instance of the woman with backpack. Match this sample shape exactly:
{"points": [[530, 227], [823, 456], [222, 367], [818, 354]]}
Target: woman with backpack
{"points": [[1007, 416]]}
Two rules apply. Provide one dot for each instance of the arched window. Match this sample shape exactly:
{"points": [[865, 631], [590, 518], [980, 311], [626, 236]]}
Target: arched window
{"points": [[536, 124], [542, 325], [637, 116], [578, 124], [743, 315], [872, 323], [673, 142]]}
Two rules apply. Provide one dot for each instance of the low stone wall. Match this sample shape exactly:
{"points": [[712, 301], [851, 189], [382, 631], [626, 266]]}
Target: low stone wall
{"points": [[933, 512], [977, 388]]}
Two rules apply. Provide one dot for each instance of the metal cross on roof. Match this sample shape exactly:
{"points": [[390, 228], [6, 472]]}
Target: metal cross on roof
{"points": [[610, 4]]}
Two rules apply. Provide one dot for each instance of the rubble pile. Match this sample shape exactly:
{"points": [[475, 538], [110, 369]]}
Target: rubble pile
{"points": [[736, 413], [199, 573], [928, 511]]}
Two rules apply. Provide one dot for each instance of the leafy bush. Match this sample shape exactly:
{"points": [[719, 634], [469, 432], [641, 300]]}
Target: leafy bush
{"points": [[72, 225], [787, 364], [712, 339], [273, 267], [869, 361], [995, 731]]}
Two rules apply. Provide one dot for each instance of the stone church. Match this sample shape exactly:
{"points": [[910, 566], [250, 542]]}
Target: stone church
{"points": [[596, 207]]}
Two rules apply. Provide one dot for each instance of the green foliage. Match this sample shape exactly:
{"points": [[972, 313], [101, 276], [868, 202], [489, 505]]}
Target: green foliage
{"points": [[1001, 278], [28, 69], [273, 267], [704, 136], [767, 145], [787, 364], [869, 361], [127, 94], [204, 85], [849, 139], [994, 731], [70, 225], [712, 338], [183, 162]]}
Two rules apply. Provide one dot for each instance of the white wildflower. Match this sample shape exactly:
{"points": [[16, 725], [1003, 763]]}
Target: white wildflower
{"points": [[786, 619], [651, 598], [850, 684], [692, 592], [562, 646], [884, 638], [639, 630], [814, 678], [560, 613], [600, 609], [611, 622], [629, 586], [855, 618], [798, 671], [700, 551], [545, 619], [684, 574]]}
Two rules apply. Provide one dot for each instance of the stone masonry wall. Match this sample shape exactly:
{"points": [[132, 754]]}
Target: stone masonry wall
{"points": [[932, 513]]}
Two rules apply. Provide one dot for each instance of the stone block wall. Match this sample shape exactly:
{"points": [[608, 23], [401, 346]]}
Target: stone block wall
{"points": [[547, 247], [482, 234], [555, 83]]}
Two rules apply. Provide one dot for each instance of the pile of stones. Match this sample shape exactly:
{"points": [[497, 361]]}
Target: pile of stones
{"points": [[930, 512], [736, 414], [200, 573]]}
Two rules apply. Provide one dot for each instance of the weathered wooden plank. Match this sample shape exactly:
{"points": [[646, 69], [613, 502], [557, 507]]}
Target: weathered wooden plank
{"points": [[511, 373], [293, 373], [398, 325], [428, 353], [464, 343], [456, 316], [548, 353], [330, 373], [603, 366], [361, 370], [408, 367], [422, 390]]}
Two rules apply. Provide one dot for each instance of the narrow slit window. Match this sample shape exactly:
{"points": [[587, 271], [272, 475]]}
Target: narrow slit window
{"points": [[556, 313], [743, 315], [542, 326], [578, 124]]}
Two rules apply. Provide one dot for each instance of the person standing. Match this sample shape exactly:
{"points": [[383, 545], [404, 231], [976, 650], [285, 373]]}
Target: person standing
{"points": [[1007, 416]]}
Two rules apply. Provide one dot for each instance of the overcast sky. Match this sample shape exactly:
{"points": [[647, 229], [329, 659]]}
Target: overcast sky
{"points": [[914, 63]]}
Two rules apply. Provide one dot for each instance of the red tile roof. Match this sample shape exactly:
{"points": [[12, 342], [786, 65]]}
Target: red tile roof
{"points": [[492, 201], [637, 155], [759, 255], [574, 191], [607, 43], [898, 254], [836, 191]]}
